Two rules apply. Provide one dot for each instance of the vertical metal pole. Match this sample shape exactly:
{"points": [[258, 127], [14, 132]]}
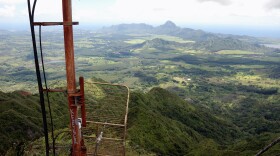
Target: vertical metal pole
{"points": [[69, 47], [70, 73]]}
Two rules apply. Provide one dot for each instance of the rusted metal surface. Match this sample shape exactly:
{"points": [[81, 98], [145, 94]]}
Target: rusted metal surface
{"points": [[54, 90], [82, 101], [107, 110], [69, 46], [102, 123], [77, 141], [54, 23]]}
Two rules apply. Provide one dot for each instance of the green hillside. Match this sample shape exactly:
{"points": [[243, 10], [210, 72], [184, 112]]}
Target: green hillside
{"points": [[21, 119], [159, 122], [162, 122], [165, 124]]}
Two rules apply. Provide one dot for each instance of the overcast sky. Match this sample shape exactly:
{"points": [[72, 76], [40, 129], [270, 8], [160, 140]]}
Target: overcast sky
{"points": [[255, 13]]}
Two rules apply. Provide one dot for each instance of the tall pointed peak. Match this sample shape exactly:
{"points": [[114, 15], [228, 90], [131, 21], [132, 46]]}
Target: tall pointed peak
{"points": [[169, 24]]}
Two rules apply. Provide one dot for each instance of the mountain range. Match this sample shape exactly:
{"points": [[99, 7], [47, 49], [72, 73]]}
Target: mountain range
{"points": [[201, 40]]}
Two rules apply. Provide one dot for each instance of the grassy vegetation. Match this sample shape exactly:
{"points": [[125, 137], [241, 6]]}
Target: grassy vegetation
{"points": [[236, 52], [18, 124], [248, 80], [135, 41]]}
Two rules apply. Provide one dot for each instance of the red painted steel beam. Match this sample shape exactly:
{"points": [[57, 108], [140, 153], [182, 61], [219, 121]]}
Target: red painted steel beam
{"points": [[54, 23], [69, 46], [71, 79], [82, 101]]}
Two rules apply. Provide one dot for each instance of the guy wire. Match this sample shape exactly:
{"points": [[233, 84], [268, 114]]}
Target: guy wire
{"points": [[46, 85]]}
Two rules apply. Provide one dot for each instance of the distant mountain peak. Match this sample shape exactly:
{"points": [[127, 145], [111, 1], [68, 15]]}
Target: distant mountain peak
{"points": [[169, 24]]}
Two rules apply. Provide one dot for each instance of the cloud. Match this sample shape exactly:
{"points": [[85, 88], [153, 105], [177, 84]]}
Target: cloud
{"points": [[273, 4], [7, 11], [159, 9], [12, 2], [222, 2]]}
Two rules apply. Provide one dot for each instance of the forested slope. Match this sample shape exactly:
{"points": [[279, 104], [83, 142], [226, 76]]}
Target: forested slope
{"points": [[159, 122], [21, 119]]}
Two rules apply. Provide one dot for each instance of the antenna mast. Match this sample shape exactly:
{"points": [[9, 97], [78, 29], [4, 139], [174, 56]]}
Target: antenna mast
{"points": [[69, 46], [73, 95], [109, 112]]}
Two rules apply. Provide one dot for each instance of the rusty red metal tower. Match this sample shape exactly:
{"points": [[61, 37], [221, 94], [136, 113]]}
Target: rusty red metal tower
{"points": [[75, 96], [107, 119]]}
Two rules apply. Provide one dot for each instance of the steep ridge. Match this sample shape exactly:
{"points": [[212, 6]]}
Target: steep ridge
{"points": [[162, 122]]}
